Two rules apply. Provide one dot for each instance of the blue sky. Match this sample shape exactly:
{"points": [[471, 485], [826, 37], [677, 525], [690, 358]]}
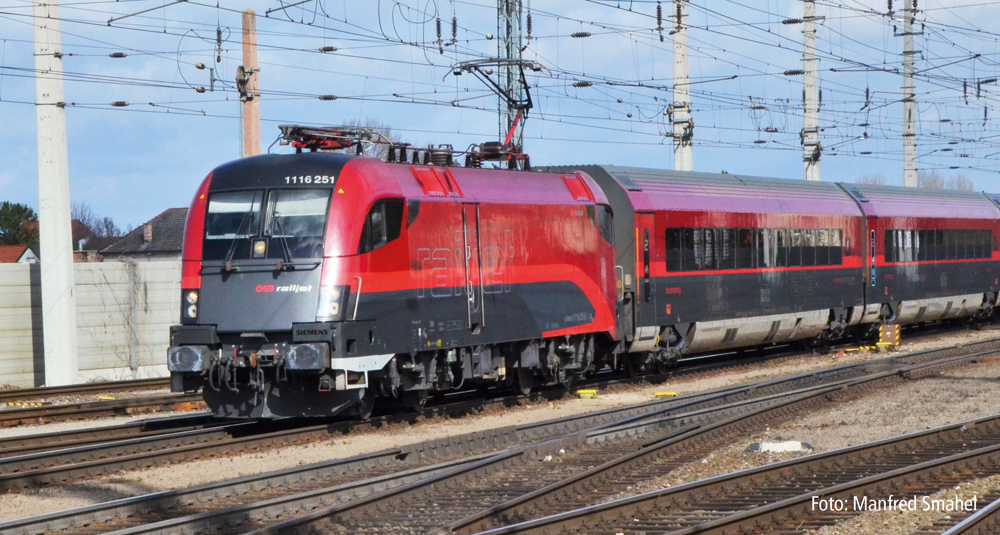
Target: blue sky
{"points": [[131, 163]]}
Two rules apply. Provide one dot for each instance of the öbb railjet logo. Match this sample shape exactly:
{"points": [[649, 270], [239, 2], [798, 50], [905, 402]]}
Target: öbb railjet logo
{"points": [[291, 288]]}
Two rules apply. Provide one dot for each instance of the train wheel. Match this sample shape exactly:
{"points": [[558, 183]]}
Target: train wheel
{"points": [[363, 411], [414, 400], [632, 366], [524, 379]]}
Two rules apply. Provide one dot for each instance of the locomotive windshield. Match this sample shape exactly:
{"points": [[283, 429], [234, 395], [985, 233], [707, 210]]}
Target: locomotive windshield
{"points": [[289, 222]]}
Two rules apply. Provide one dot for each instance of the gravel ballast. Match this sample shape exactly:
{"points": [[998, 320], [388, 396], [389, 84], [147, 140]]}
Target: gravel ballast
{"points": [[37, 501]]}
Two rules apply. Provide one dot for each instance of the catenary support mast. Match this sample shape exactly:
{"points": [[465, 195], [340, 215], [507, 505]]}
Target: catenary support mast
{"points": [[509, 48], [811, 148], [56, 247], [681, 108], [909, 99], [250, 95]]}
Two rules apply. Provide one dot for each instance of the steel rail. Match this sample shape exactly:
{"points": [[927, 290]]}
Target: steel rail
{"points": [[986, 521], [42, 466], [94, 409], [683, 503], [611, 417], [22, 394], [20, 445], [615, 420], [456, 488]]}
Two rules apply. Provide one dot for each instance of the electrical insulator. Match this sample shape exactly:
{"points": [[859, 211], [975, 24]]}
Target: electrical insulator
{"points": [[454, 28], [529, 25], [914, 5], [890, 5], [678, 16], [659, 14], [117, 55], [439, 28]]}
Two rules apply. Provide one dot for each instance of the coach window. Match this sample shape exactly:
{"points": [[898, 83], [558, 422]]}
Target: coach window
{"points": [[891, 246], [687, 251], [823, 247], [836, 247], [795, 251], [744, 248], [674, 249], [781, 241], [708, 248], [808, 247], [726, 238]]}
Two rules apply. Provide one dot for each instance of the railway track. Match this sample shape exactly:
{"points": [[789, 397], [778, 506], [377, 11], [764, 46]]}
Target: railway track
{"points": [[61, 457], [303, 488], [568, 444], [779, 497], [11, 416], [584, 467], [986, 521], [99, 409], [28, 394]]}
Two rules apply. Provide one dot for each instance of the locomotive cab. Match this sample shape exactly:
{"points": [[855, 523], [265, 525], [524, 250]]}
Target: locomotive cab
{"points": [[261, 303]]}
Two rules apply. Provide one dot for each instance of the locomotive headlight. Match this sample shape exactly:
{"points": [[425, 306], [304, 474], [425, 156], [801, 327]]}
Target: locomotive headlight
{"points": [[332, 300], [192, 297], [192, 311]]}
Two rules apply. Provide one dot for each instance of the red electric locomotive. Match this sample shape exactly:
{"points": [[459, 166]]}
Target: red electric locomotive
{"points": [[315, 283]]}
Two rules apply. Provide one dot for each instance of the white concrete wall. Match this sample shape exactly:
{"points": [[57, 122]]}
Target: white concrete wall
{"points": [[102, 316]]}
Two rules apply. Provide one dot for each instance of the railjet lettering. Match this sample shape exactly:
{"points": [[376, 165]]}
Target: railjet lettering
{"points": [[292, 288], [892, 503]]}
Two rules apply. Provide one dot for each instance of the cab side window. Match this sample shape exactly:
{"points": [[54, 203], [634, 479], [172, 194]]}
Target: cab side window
{"points": [[382, 225]]}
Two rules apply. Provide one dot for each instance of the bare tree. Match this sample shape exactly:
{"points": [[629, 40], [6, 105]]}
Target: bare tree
{"points": [[931, 180], [873, 180], [961, 183], [100, 226], [380, 150], [935, 180]]}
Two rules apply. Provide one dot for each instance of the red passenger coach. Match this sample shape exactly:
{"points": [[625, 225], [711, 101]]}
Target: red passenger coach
{"points": [[728, 261], [935, 253]]}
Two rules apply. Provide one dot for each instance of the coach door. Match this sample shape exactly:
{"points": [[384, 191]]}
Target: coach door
{"points": [[645, 255], [473, 267]]}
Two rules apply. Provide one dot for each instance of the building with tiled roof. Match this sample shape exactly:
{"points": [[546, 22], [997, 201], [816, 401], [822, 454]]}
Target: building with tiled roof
{"points": [[13, 254], [159, 238]]}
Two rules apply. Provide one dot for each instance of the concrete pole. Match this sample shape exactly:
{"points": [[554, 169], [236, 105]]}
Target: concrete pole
{"points": [[811, 148], [510, 44], [909, 100], [251, 102], [683, 125], [54, 225]]}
